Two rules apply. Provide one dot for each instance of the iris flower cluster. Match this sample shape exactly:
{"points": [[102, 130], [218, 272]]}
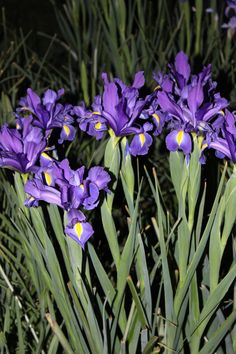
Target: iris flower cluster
{"points": [[26, 149], [56, 183], [182, 105], [119, 110], [192, 106]]}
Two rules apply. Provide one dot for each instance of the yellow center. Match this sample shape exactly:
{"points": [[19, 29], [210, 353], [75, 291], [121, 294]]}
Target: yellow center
{"points": [[179, 137], [204, 146], [48, 178], [142, 139], [66, 129], [98, 125], [78, 229], [81, 186], [17, 126], [157, 88], [222, 112], [156, 116], [45, 156], [96, 113]]}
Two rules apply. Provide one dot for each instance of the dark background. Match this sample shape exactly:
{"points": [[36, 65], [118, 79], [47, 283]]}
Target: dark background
{"points": [[30, 15]]}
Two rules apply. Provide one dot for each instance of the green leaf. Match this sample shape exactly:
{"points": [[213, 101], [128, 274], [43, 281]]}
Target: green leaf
{"points": [[217, 337], [60, 335], [148, 348], [139, 306]]}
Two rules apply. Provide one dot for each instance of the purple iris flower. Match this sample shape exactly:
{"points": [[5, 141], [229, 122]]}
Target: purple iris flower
{"points": [[158, 118], [47, 113], [224, 143], [91, 121], [20, 148], [119, 108], [193, 105], [57, 183], [39, 191]]}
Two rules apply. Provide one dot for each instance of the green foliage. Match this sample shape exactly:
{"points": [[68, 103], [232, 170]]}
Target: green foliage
{"points": [[158, 275]]}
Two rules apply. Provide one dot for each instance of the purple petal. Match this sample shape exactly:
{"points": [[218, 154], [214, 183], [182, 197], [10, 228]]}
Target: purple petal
{"points": [[179, 140], [139, 80], [99, 176], [182, 66], [80, 232], [140, 144]]}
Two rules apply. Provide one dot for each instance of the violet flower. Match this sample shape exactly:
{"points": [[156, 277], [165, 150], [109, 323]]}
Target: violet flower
{"points": [[57, 183], [224, 143], [91, 121], [20, 148], [191, 106], [119, 109], [47, 113]]}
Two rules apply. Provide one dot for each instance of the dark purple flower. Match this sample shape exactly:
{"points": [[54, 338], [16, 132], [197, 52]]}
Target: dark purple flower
{"points": [[120, 109], [40, 191], [58, 184], [193, 105], [224, 143], [20, 148], [47, 113], [91, 121], [70, 185]]}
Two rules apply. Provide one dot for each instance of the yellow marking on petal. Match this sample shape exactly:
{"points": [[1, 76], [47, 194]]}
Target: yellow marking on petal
{"points": [[157, 88], [156, 116], [48, 178], [17, 126], [204, 146], [25, 177], [98, 125], [78, 229], [81, 186], [31, 199], [179, 137], [142, 139], [96, 113], [66, 129], [222, 112], [46, 156]]}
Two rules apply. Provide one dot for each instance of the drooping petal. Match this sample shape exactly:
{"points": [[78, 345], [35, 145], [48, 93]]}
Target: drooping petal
{"points": [[140, 144], [67, 133], [179, 140], [80, 232]]}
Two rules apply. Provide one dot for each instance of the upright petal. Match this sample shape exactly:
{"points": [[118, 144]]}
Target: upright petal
{"points": [[182, 66], [139, 80]]}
